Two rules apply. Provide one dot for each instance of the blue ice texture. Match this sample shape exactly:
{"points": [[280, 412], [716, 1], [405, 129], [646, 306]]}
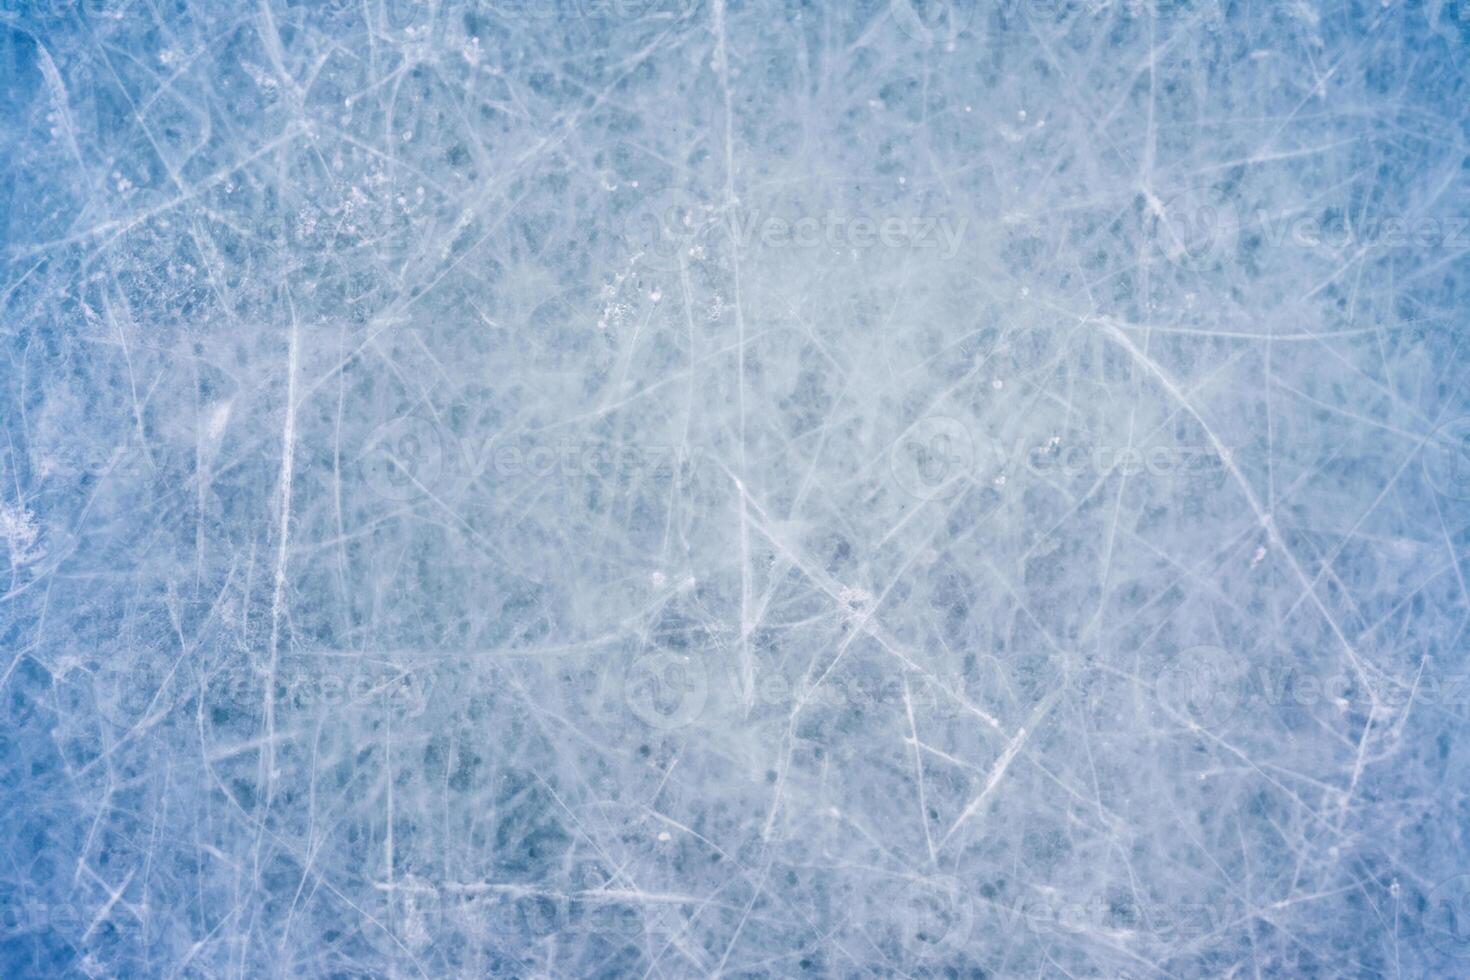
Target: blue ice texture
{"points": [[734, 488]]}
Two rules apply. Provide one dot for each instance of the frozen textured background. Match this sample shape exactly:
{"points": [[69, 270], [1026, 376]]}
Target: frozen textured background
{"points": [[677, 488]]}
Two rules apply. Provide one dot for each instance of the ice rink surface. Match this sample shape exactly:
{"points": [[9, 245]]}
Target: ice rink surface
{"points": [[690, 488]]}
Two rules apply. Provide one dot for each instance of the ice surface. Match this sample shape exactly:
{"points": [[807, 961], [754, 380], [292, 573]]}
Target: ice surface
{"points": [[682, 488]]}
